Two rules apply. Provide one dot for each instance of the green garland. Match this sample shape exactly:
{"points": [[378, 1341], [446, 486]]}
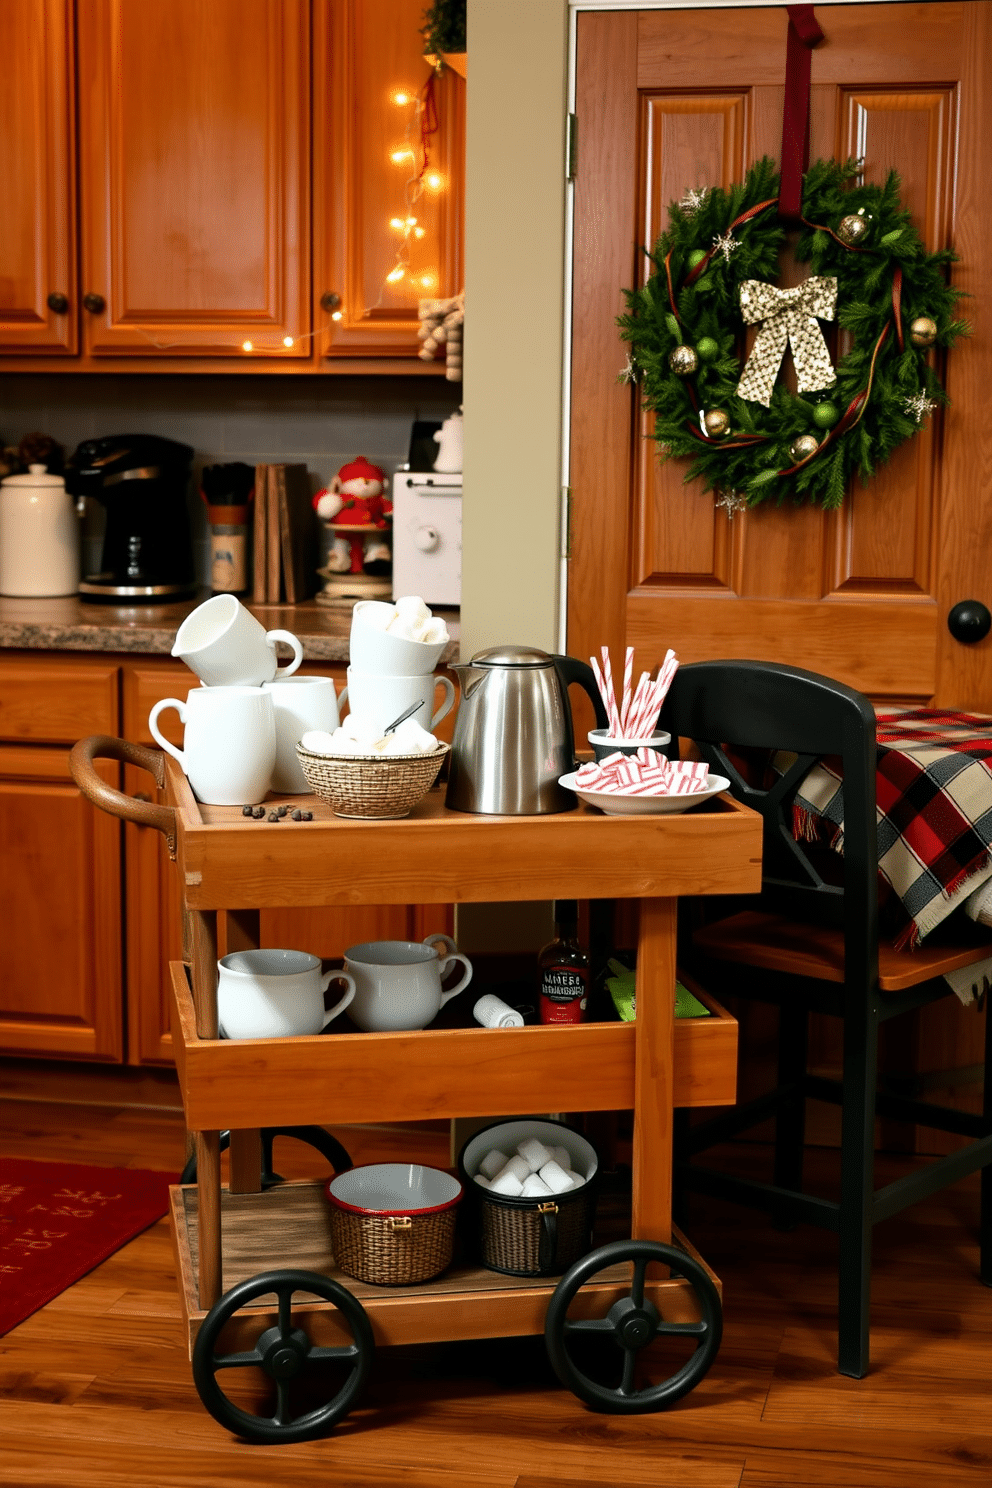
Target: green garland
{"points": [[885, 385], [444, 27]]}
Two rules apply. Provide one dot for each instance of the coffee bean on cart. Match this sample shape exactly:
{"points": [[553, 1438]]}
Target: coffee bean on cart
{"points": [[247, 811], [297, 814], [258, 813], [308, 816], [274, 816]]}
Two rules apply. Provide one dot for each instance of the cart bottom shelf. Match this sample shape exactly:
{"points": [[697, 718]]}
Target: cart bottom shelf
{"points": [[289, 1226]]}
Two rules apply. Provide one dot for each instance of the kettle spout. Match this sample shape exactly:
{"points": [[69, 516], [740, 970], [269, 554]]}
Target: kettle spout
{"points": [[469, 676]]}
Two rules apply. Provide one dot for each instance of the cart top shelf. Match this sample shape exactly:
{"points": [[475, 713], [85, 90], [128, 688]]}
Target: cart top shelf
{"points": [[437, 856]]}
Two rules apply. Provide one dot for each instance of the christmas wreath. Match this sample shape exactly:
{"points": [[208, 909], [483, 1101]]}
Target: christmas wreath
{"points": [[714, 271]]}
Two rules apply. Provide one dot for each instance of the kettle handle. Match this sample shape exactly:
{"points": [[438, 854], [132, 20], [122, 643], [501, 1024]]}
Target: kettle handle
{"points": [[570, 670]]}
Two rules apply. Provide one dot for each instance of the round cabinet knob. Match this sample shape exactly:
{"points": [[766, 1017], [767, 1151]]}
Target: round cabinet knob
{"points": [[426, 539], [969, 621], [94, 303], [329, 300], [58, 304]]}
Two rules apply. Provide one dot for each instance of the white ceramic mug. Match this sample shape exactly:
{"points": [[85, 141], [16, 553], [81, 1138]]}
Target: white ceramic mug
{"points": [[372, 649], [376, 701], [225, 645], [398, 982], [229, 744], [301, 704], [275, 994]]}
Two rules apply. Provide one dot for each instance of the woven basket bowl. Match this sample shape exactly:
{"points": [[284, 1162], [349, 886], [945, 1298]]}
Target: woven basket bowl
{"points": [[371, 786]]}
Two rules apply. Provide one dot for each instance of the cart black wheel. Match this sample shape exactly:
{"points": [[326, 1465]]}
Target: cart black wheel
{"points": [[284, 1353], [631, 1324], [314, 1136]]}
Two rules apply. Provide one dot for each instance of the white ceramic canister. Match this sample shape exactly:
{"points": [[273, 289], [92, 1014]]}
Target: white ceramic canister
{"points": [[39, 535]]}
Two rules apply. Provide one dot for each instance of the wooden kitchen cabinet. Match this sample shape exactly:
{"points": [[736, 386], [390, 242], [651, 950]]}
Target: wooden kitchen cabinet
{"points": [[179, 141], [61, 987], [369, 70], [194, 176], [37, 167]]}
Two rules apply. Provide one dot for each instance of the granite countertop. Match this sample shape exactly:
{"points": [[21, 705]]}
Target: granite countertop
{"points": [[71, 624]]}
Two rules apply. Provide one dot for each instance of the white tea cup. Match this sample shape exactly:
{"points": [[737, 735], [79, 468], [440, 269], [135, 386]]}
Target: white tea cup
{"points": [[398, 982], [226, 646], [376, 701], [229, 743], [275, 994], [373, 649], [301, 704]]}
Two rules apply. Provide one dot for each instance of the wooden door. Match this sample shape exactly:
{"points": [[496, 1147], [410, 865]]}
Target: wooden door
{"points": [[668, 100], [37, 167], [368, 70], [194, 177]]}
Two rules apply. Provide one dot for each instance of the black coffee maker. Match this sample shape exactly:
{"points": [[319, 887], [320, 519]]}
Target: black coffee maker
{"points": [[142, 481]]}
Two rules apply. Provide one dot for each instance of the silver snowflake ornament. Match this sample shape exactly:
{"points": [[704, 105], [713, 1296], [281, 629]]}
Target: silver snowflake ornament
{"points": [[629, 372], [732, 502], [725, 243], [919, 406], [692, 201]]}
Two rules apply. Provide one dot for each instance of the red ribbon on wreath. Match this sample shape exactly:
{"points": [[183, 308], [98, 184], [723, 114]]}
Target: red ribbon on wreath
{"points": [[804, 33]]}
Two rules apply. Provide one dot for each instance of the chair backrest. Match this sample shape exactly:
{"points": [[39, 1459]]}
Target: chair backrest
{"points": [[756, 705]]}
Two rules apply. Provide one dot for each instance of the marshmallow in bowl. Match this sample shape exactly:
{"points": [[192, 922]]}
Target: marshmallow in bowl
{"points": [[409, 619], [352, 738]]}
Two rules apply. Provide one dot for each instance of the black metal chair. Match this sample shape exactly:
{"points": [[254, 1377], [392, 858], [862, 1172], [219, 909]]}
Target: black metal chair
{"points": [[811, 945]]}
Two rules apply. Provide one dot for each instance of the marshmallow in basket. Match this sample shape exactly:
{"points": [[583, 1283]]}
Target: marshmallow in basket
{"points": [[533, 1172], [361, 739]]}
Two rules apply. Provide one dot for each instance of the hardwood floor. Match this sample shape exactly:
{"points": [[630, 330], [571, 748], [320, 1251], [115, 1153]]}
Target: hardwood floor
{"points": [[95, 1389]]}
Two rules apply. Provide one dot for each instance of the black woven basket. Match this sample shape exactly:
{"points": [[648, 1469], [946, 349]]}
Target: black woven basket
{"points": [[529, 1237]]}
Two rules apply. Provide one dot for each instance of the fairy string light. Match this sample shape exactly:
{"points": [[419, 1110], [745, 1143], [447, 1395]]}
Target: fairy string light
{"points": [[421, 126]]}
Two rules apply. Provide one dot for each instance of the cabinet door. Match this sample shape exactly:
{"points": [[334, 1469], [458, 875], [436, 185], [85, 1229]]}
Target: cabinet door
{"points": [[194, 177], [369, 70], [60, 887], [37, 244]]}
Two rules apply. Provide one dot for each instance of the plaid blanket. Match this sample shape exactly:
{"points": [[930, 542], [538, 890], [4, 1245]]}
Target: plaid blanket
{"points": [[934, 806]]}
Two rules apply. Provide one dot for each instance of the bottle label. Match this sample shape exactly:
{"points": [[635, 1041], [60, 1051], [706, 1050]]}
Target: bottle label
{"points": [[228, 559], [564, 994]]}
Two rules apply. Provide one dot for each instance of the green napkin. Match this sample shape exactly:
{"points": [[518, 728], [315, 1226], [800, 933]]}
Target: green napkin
{"points": [[622, 985]]}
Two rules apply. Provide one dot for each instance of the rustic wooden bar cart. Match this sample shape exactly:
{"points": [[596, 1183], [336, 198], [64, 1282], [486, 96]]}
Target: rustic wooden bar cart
{"points": [[243, 1238]]}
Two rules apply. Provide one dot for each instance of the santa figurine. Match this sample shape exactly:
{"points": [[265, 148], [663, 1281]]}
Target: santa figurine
{"points": [[357, 511]]}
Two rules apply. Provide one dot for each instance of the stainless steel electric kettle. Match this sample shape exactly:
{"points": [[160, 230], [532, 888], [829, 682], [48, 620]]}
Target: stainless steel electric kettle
{"points": [[513, 734]]}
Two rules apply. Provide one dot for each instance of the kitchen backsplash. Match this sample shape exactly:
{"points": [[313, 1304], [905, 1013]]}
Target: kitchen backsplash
{"points": [[320, 422]]}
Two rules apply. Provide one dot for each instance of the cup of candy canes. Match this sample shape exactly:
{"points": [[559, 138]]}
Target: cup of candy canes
{"points": [[603, 745], [643, 784]]}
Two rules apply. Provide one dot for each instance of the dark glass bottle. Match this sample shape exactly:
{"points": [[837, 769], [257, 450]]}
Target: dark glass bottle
{"points": [[563, 970]]}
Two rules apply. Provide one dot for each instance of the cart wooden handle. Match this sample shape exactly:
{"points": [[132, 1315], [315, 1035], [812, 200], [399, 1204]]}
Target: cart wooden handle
{"points": [[129, 808]]}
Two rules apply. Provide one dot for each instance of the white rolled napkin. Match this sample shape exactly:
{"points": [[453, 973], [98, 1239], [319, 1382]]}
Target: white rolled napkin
{"points": [[535, 1188], [555, 1177], [494, 1162], [518, 1167], [507, 1183], [492, 1012], [534, 1153]]}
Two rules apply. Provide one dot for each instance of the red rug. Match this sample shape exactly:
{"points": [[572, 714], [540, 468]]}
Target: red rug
{"points": [[59, 1220]]}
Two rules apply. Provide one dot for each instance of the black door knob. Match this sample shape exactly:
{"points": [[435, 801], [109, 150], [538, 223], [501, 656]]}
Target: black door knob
{"points": [[94, 303], [330, 300], [969, 621], [58, 303]]}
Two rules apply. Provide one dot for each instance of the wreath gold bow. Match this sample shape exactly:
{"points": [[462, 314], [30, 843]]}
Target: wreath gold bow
{"points": [[789, 315]]}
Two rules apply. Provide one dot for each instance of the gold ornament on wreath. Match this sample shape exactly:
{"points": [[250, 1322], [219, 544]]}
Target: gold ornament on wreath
{"points": [[729, 412]]}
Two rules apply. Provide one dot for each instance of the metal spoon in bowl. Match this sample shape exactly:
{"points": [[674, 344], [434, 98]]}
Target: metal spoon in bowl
{"points": [[402, 718]]}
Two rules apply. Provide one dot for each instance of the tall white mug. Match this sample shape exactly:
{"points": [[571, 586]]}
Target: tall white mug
{"points": [[229, 744], [376, 701], [226, 646], [301, 704]]}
